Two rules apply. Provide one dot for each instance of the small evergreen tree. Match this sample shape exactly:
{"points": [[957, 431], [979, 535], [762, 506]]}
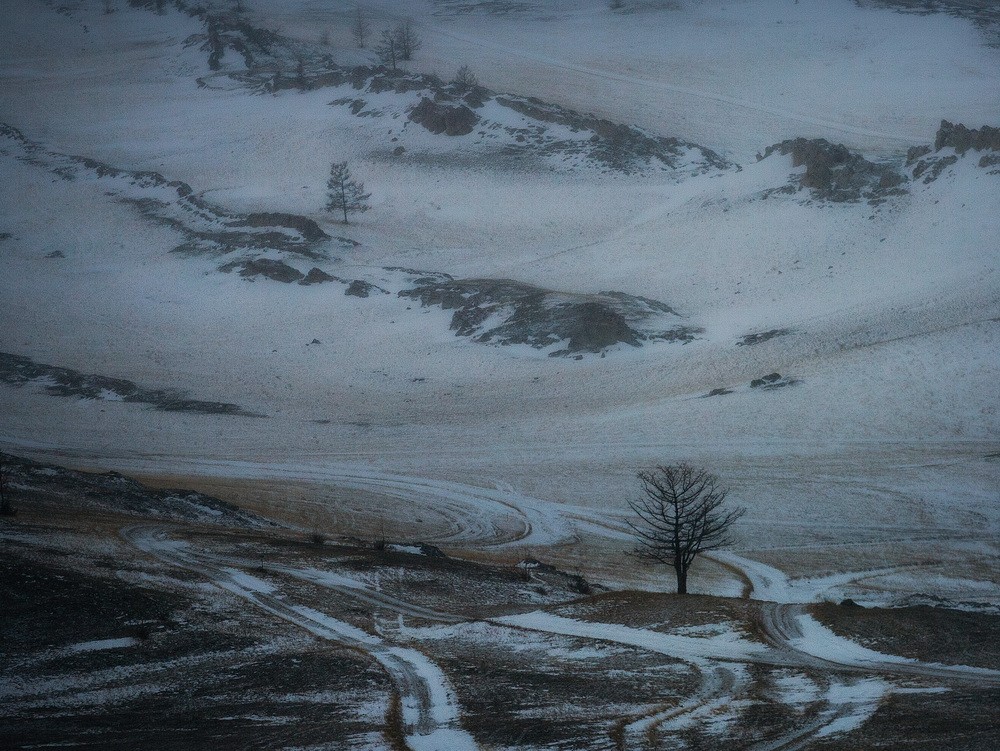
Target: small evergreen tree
{"points": [[387, 49], [466, 79], [361, 28], [407, 41], [300, 74], [216, 49], [6, 506], [344, 192]]}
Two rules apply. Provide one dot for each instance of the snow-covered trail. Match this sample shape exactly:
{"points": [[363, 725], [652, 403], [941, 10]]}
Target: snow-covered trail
{"points": [[430, 710]]}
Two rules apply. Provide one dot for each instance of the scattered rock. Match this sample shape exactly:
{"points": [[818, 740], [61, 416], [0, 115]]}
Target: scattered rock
{"points": [[279, 271], [930, 169], [771, 381], [17, 370], [55, 254], [206, 228], [748, 340], [361, 288]]}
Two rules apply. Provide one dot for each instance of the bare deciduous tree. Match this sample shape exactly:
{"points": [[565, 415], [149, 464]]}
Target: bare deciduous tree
{"points": [[361, 27], [345, 193], [680, 515]]}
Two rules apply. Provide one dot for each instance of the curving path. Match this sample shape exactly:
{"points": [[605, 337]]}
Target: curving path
{"points": [[429, 707]]}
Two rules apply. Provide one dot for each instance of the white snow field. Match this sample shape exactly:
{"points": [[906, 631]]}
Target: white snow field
{"points": [[881, 454]]}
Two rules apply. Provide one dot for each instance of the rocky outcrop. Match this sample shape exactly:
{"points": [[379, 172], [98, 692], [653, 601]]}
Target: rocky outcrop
{"points": [[835, 173], [928, 163], [506, 312], [18, 370], [317, 276], [361, 288], [962, 139]]}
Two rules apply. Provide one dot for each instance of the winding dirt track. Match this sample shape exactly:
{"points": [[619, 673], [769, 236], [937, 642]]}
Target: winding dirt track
{"points": [[430, 710]]}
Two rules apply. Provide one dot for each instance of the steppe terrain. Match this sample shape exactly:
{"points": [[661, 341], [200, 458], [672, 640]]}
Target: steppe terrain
{"points": [[757, 235]]}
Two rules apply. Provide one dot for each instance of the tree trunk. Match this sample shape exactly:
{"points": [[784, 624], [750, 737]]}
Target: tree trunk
{"points": [[682, 578]]}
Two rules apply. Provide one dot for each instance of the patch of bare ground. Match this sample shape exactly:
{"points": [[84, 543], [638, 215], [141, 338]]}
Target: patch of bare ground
{"points": [[758, 713], [440, 583], [523, 689], [663, 612], [105, 646], [921, 632], [114, 654], [956, 720]]}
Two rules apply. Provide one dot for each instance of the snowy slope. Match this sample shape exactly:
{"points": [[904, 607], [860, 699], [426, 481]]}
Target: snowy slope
{"points": [[888, 313]]}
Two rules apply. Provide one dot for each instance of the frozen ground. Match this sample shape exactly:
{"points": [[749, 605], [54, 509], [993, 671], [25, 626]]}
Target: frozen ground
{"points": [[880, 456], [283, 639]]}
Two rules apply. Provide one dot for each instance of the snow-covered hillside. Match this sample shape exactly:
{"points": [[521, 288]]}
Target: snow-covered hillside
{"points": [[161, 220]]}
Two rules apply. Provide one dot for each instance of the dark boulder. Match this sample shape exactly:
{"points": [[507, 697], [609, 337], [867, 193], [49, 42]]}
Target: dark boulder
{"points": [[437, 117], [279, 271], [317, 276]]}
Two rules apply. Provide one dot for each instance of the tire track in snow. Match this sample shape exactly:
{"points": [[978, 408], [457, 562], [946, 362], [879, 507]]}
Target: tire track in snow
{"points": [[430, 709], [663, 86], [717, 689], [788, 627], [781, 620], [353, 589], [484, 516]]}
